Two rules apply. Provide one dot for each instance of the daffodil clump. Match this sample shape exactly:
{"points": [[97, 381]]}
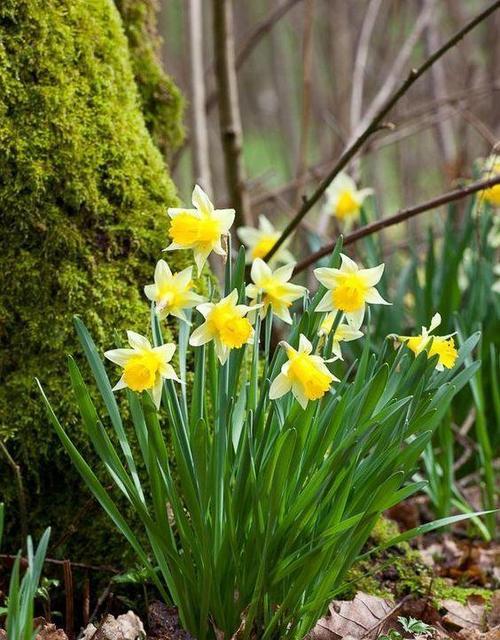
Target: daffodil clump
{"points": [[281, 457]]}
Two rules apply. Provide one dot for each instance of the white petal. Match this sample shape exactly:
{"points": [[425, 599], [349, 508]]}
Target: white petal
{"points": [[168, 372], [249, 235], [231, 298], [372, 296], [284, 273], [279, 386], [336, 350], [222, 351], [136, 341], [205, 308], [120, 384], [435, 322], [260, 270], [325, 304], [355, 318], [156, 391], [184, 277], [119, 356], [304, 345], [251, 292], [372, 276], [201, 335], [225, 217], [150, 291], [348, 265], [201, 201], [266, 226], [166, 351], [327, 277], [363, 194], [162, 272], [200, 257], [300, 395], [282, 312]]}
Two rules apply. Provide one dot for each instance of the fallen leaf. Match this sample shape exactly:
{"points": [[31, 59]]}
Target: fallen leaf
{"points": [[468, 616], [352, 619], [128, 626]]}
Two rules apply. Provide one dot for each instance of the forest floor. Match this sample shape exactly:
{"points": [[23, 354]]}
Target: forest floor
{"points": [[442, 585]]}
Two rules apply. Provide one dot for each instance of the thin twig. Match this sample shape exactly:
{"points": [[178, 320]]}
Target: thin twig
{"points": [[253, 39], [358, 78], [68, 588], [21, 496], [404, 214], [229, 109], [405, 128], [76, 565], [307, 57], [375, 124]]}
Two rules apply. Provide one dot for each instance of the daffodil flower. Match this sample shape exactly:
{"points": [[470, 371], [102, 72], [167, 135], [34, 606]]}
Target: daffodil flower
{"points": [[172, 292], [343, 333], [344, 200], [276, 292], [225, 324], [491, 168], [200, 229], [443, 346], [305, 375], [144, 367], [350, 289], [260, 241]]}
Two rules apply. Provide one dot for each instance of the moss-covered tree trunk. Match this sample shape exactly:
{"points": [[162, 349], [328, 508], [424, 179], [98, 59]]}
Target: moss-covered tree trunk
{"points": [[83, 198]]}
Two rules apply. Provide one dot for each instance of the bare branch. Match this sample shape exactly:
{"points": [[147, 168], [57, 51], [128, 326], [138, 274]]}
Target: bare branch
{"points": [[404, 214], [375, 123], [358, 79], [229, 109]]}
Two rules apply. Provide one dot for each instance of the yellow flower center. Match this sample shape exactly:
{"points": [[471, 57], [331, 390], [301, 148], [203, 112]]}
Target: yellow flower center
{"points": [[347, 206], [302, 369], [171, 296], [492, 195], [415, 344], [187, 230], [446, 350], [140, 371], [350, 294], [233, 330], [263, 246], [274, 292]]}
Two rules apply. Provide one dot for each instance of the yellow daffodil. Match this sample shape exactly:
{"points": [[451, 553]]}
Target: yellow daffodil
{"points": [[172, 292], [276, 292], [344, 200], [144, 366], [225, 324], [343, 333], [491, 169], [260, 241], [443, 346], [350, 289], [200, 229], [305, 375]]}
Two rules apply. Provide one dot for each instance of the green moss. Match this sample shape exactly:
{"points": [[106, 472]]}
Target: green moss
{"points": [[83, 195], [443, 590], [160, 98]]}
